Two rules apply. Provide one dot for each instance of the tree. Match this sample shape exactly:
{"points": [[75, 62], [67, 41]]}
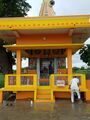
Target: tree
{"points": [[10, 8], [85, 54], [6, 59], [14, 8]]}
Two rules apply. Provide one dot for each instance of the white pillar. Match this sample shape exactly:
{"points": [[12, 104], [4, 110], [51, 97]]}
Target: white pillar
{"points": [[55, 65], [38, 69]]}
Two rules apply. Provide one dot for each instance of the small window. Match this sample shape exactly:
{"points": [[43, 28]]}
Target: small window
{"points": [[46, 13]]}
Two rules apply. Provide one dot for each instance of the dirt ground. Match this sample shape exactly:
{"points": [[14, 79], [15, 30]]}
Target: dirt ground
{"points": [[61, 110]]}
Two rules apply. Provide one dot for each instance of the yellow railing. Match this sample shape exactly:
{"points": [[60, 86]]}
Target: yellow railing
{"points": [[29, 81], [13, 80], [66, 78]]}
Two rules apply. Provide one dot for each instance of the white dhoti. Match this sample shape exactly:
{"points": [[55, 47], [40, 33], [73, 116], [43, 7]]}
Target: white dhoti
{"points": [[74, 88], [72, 94]]}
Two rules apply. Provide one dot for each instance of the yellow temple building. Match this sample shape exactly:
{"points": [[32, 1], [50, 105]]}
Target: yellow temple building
{"points": [[46, 41]]}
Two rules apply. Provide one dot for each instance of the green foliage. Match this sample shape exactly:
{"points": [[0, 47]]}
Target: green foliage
{"points": [[14, 8], [1, 80], [85, 54], [7, 56], [82, 71], [9, 53], [75, 69], [88, 75]]}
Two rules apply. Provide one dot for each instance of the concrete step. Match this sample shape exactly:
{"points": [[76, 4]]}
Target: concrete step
{"points": [[43, 93], [44, 101], [44, 96]]}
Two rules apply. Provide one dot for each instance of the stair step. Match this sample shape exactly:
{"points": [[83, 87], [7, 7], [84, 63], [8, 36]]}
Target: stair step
{"points": [[44, 96], [43, 99], [44, 92], [43, 89], [40, 100]]}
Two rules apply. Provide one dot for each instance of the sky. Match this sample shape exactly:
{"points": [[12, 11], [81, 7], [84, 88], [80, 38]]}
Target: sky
{"points": [[61, 8]]}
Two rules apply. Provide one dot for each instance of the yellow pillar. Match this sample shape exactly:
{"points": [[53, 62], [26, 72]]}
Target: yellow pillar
{"points": [[69, 60], [18, 65], [69, 63]]}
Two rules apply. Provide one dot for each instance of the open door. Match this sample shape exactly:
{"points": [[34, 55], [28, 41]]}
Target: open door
{"points": [[46, 69]]}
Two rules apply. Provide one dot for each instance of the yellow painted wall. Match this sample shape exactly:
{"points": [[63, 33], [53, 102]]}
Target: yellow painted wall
{"points": [[32, 72], [1, 96], [45, 39], [87, 95], [62, 71], [88, 84], [24, 95], [62, 94]]}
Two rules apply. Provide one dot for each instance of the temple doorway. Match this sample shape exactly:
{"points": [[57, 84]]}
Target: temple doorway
{"points": [[46, 69], [45, 65]]}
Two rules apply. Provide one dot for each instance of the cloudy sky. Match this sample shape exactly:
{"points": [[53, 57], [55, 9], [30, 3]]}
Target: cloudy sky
{"points": [[64, 7]]}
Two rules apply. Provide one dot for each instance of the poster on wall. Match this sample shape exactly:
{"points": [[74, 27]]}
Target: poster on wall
{"points": [[32, 64], [61, 63]]}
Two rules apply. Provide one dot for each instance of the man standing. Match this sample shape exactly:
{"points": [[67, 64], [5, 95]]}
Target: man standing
{"points": [[74, 86], [51, 71]]}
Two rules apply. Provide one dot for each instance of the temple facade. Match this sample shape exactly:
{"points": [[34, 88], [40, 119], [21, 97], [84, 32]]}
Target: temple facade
{"points": [[46, 41]]}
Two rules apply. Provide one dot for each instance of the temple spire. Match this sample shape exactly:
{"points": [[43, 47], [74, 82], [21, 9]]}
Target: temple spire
{"points": [[47, 8]]}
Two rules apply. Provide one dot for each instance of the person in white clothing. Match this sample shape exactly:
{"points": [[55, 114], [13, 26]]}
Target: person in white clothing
{"points": [[74, 86]]}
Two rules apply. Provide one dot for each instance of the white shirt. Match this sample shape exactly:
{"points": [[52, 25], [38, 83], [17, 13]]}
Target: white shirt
{"points": [[74, 84]]}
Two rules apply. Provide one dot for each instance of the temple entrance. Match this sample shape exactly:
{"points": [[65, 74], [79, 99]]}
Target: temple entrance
{"points": [[46, 69]]}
